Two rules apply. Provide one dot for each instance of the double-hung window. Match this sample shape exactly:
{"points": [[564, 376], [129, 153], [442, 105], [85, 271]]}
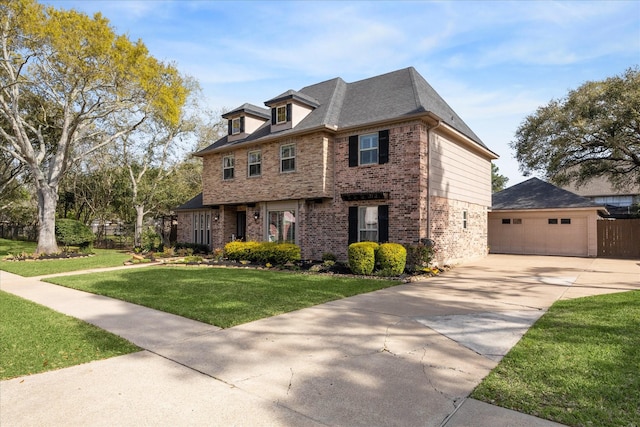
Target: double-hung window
{"points": [[255, 163], [368, 149], [228, 167], [288, 158], [235, 126], [368, 223], [281, 114]]}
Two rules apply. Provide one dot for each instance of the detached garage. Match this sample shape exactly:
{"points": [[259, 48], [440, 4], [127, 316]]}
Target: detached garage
{"points": [[538, 218]]}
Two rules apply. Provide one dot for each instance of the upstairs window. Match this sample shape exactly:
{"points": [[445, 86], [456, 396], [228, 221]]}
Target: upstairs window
{"points": [[288, 158], [369, 149], [255, 163], [465, 219], [235, 126], [228, 167], [281, 114]]}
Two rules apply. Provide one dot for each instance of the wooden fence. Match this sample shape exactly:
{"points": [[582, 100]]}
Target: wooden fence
{"points": [[619, 238]]}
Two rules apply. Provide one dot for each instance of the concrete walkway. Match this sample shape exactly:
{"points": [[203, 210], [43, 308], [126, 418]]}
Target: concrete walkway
{"points": [[404, 356]]}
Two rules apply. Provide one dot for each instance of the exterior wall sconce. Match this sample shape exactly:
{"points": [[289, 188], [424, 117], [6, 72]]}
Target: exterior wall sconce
{"points": [[216, 216], [256, 215]]}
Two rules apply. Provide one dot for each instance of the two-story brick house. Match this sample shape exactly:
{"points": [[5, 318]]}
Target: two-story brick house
{"points": [[383, 159]]}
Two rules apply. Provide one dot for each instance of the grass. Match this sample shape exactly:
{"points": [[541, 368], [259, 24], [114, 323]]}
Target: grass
{"points": [[102, 258], [579, 365], [35, 339], [223, 297]]}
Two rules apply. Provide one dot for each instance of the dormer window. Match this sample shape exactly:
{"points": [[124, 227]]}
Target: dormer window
{"points": [[235, 126], [281, 114]]}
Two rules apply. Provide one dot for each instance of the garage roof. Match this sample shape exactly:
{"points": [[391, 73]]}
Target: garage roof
{"points": [[537, 194]]}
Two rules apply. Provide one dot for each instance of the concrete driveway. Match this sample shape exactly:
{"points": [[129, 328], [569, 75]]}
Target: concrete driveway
{"points": [[404, 356]]}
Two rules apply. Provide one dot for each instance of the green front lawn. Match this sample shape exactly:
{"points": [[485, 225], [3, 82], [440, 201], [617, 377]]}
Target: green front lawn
{"points": [[223, 297], [101, 258], [36, 339], [579, 365]]}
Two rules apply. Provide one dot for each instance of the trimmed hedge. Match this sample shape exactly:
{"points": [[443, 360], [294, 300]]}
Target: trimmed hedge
{"points": [[362, 257], [391, 259], [262, 252], [70, 232], [197, 248]]}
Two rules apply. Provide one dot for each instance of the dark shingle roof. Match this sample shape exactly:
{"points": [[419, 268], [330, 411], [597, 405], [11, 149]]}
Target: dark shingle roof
{"points": [[249, 109], [537, 194], [195, 203], [388, 96], [292, 94]]}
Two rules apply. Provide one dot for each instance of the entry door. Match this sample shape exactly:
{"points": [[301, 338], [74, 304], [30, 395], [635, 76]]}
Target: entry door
{"points": [[241, 231]]}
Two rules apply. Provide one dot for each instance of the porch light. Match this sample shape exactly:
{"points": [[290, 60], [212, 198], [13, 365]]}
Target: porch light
{"points": [[216, 216], [256, 215]]}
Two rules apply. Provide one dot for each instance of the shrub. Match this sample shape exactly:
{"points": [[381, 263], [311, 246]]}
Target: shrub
{"points": [[276, 253], [70, 232], [362, 257], [196, 248], [419, 256], [240, 251], [262, 252], [328, 256], [150, 240], [391, 259]]}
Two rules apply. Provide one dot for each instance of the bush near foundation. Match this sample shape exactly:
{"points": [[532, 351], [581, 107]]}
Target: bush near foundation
{"points": [[262, 252], [391, 259], [362, 257]]}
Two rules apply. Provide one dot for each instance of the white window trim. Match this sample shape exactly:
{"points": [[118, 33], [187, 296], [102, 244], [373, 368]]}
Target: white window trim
{"points": [[235, 129], [361, 150], [282, 158], [249, 163], [279, 207], [278, 109]]}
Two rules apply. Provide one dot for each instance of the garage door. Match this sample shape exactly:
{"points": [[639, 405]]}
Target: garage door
{"points": [[539, 236]]}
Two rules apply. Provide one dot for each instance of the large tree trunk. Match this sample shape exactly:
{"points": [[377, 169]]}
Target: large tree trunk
{"points": [[138, 230], [47, 200]]}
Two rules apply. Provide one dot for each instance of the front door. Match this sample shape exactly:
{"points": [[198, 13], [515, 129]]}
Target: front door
{"points": [[241, 231]]}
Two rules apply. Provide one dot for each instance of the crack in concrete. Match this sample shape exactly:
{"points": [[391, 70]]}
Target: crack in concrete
{"points": [[290, 381], [453, 399]]}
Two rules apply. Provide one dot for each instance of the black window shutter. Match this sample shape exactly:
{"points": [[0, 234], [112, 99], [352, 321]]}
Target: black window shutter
{"points": [[241, 124], [383, 146], [353, 224], [383, 223], [230, 125], [353, 151], [288, 112], [273, 116]]}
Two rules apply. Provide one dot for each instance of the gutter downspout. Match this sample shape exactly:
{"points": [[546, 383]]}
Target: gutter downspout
{"points": [[429, 176]]}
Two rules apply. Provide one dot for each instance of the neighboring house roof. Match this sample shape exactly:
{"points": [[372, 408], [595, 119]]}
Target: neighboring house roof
{"points": [[195, 203], [601, 186], [340, 105], [537, 194]]}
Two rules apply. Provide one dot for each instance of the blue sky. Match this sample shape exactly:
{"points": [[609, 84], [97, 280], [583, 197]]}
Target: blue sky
{"points": [[494, 62]]}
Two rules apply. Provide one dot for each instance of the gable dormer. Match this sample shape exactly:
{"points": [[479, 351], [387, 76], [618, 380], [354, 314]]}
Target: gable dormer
{"points": [[245, 120], [289, 109]]}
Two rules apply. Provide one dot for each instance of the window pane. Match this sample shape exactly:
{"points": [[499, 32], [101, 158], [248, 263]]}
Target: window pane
{"points": [[565, 221], [368, 223], [282, 226], [282, 114], [368, 149], [506, 221], [288, 165], [553, 220], [235, 126]]}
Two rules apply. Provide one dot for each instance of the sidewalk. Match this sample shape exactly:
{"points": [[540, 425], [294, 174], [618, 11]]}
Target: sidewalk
{"points": [[407, 355]]}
